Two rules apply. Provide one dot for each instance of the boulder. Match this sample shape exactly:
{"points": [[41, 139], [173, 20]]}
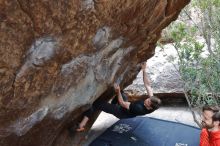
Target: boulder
{"points": [[58, 56]]}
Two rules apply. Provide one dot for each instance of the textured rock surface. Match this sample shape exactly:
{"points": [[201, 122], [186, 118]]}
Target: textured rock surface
{"points": [[59, 56]]}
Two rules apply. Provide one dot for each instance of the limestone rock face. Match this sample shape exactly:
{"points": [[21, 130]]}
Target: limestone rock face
{"points": [[58, 56]]}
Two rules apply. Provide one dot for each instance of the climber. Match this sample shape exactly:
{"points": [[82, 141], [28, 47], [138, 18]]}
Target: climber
{"points": [[124, 109]]}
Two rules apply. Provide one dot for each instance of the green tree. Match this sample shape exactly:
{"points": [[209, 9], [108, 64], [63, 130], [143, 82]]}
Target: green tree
{"points": [[198, 61]]}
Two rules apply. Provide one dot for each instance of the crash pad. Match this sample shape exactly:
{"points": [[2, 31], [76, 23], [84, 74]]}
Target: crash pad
{"points": [[145, 131]]}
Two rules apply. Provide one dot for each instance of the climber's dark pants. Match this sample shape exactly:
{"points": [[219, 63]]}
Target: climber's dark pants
{"points": [[111, 108]]}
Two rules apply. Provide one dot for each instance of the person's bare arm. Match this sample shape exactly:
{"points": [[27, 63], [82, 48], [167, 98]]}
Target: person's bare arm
{"points": [[146, 80], [123, 103]]}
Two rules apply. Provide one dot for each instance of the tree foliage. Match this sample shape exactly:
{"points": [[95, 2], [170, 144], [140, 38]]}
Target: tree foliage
{"points": [[197, 41]]}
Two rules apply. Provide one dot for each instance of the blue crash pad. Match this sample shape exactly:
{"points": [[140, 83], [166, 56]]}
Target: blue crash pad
{"points": [[144, 131]]}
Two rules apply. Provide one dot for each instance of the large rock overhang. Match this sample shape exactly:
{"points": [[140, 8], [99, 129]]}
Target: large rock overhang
{"points": [[59, 56]]}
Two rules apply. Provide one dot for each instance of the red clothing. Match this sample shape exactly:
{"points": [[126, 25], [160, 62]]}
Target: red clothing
{"points": [[209, 138], [204, 138], [215, 138]]}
